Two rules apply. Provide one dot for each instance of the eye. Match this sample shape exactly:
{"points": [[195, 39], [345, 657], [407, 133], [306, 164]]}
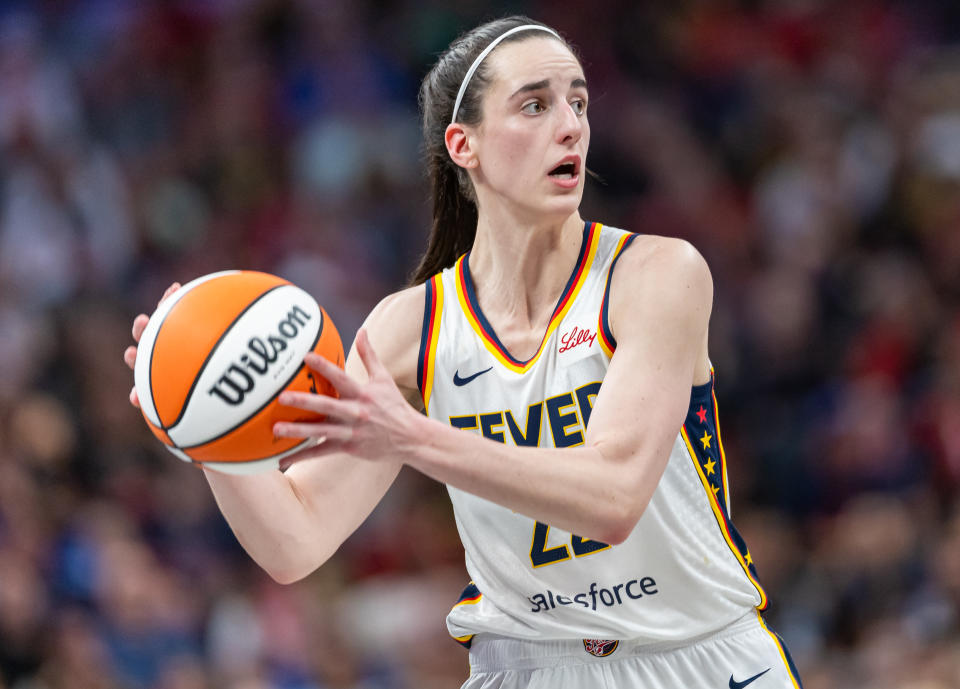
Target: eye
{"points": [[579, 106], [534, 107]]}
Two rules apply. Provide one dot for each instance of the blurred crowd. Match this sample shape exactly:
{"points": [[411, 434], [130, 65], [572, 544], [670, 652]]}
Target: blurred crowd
{"points": [[809, 149]]}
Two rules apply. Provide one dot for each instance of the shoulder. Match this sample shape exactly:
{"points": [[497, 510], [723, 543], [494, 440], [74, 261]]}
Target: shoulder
{"points": [[394, 326], [399, 306], [662, 262], [655, 253], [656, 274]]}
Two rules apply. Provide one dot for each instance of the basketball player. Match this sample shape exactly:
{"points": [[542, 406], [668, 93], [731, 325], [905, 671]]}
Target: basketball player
{"points": [[553, 372]]}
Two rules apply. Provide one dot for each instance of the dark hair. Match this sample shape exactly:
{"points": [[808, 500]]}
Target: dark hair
{"points": [[454, 224]]}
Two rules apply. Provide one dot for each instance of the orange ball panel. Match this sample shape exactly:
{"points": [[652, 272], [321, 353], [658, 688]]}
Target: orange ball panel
{"points": [[214, 305], [159, 432]]}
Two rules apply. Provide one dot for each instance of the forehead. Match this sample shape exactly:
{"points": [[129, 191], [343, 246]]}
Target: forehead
{"points": [[532, 59]]}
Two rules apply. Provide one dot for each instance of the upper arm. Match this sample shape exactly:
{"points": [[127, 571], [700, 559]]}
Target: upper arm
{"points": [[660, 301], [339, 490], [394, 327]]}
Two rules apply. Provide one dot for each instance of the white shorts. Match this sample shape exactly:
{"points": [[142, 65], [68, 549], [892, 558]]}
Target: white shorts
{"points": [[744, 655]]}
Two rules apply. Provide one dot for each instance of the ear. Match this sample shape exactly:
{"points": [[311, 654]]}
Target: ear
{"points": [[458, 141]]}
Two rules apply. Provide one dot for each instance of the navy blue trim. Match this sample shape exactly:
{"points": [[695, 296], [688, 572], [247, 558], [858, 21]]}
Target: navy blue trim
{"points": [[485, 324], [701, 397], [742, 547], [604, 318], [470, 591], [424, 332], [702, 392]]}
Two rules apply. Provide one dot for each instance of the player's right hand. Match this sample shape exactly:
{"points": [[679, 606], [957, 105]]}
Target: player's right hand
{"points": [[139, 325]]}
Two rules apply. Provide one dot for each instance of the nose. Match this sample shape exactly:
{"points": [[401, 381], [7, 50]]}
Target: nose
{"points": [[570, 126]]}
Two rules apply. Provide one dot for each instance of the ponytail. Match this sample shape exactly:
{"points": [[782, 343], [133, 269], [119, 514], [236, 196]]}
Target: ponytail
{"points": [[454, 224]]}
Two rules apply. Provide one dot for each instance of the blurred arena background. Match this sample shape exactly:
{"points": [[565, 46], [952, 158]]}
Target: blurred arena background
{"points": [[810, 149]]}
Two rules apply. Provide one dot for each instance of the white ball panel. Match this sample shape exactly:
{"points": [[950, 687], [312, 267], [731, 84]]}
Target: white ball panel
{"points": [[179, 453], [261, 351]]}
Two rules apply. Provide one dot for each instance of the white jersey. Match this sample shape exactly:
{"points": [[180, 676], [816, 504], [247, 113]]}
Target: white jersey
{"points": [[683, 571]]}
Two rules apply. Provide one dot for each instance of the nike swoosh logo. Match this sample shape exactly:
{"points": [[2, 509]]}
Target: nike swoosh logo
{"points": [[457, 380], [734, 684]]}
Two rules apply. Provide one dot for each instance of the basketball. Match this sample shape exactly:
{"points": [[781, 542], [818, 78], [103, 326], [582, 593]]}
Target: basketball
{"points": [[215, 356]]}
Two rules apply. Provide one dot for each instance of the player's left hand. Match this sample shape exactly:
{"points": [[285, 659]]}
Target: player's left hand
{"points": [[370, 420]]}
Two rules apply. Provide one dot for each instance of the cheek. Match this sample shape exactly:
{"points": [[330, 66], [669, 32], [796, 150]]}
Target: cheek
{"points": [[515, 144], [510, 156]]}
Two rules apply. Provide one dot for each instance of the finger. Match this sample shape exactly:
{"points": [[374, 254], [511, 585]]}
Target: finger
{"points": [[134, 399], [130, 356], [344, 410], [170, 290], [139, 325], [345, 385], [368, 356], [326, 431]]}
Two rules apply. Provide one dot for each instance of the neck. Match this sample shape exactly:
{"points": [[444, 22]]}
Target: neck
{"points": [[521, 268]]}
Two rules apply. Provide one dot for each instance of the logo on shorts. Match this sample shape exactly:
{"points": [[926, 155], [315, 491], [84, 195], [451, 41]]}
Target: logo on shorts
{"points": [[600, 648], [734, 684]]}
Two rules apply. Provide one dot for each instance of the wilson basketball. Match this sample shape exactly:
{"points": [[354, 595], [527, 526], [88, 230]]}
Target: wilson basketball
{"points": [[213, 359]]}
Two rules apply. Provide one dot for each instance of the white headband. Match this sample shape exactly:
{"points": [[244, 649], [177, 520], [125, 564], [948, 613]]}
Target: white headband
{"points": [[486, 51]]}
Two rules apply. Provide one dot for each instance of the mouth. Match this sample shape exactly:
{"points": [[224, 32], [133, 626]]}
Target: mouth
{"points": [[567, 169]]}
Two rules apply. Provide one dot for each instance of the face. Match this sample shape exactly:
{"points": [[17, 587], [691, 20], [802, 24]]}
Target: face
{"points": [[531, 145]]}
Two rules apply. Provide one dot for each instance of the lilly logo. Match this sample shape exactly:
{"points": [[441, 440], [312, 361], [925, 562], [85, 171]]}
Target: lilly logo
{"points": [[575, 338]]}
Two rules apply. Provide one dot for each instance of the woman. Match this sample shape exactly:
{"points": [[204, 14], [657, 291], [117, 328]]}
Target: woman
{"points": [[601, 553]]}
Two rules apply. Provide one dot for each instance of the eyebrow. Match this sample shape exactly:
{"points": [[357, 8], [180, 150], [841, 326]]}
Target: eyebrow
{"points": [[544, 83]]}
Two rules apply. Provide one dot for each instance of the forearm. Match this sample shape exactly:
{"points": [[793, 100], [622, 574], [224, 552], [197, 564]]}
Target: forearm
{"points": [[597, 490], [291, 523], [269, 520]]}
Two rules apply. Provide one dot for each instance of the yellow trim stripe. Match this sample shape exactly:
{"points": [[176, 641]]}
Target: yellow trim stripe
{"points": [[601, 331], [783, 655], [554, 322], [603, 345], [430, 355], [721, 519]]}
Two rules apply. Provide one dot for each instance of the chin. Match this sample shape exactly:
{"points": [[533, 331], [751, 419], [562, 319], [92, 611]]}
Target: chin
{"points": [[553, 208], [562, 206]]}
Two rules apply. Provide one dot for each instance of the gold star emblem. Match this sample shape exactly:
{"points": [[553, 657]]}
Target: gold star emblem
{"points": [[706, 440], [716, 489], [749, 558], [709, 467]]}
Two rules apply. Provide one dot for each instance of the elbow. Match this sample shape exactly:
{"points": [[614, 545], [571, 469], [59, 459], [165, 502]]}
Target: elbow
{"points": [[618, 524], [293, 567], [287, 576], [621, 506], [617, 532], [616, 536]]}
